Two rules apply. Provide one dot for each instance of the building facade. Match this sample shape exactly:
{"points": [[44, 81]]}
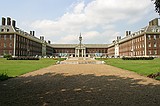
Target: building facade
{"points": [[75, 50], [145, 42], [14, 41]]}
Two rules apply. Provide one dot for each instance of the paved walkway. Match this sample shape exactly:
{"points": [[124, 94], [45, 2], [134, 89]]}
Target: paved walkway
{"points": [[80, 85]]}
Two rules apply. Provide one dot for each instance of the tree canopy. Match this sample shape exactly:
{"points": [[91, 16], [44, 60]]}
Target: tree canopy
{"points": [[157, 6]]}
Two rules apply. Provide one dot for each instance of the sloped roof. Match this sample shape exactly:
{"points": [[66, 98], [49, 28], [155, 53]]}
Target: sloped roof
{"points": [[75, 45]]}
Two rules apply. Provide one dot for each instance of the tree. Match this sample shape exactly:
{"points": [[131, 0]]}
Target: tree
{"points": [[157, 6]]}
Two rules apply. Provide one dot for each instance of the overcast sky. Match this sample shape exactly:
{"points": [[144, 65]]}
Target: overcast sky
{"points": [[62, 21]]}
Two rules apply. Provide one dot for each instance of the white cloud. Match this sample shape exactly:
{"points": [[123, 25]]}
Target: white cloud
{"points": [[96, 20]]}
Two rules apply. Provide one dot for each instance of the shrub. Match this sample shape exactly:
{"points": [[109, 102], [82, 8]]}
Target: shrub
{"points": [[23, 58], [137, 58], [3, 77], [7, 56]]}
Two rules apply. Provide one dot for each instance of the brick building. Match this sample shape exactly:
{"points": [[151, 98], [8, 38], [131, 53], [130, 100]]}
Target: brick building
{"points": [[145, 42], [14, 41]]}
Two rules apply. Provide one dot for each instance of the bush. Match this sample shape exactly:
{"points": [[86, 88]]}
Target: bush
{"points": [[3, 77], [23, 58], [157, 78], [7, 56], [137, 58]]}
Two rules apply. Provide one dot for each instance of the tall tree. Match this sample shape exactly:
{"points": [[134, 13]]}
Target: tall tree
{"points": [[157, 6]]}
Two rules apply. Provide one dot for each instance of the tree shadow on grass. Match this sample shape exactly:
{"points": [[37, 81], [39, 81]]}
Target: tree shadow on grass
{"points": [[77, 90]]}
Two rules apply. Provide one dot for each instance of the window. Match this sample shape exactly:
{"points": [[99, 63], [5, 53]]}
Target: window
{"points": [[4, 45], [149, 44], [10, 37], [10, 45], [154, 37], [4, 52], [4, 37], [155, 45], [149, 52], [149, 37], [143, 45], [155, 52], [2, 30], [157, 30], [7, 30], [10, 52]]}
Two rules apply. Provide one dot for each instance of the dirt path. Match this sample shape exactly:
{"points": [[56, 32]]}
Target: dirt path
{"points": [[80, 85]]}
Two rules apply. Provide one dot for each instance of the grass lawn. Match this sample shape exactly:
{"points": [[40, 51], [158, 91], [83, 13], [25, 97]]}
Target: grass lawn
{"points": [[143, 67], [18, 67]]}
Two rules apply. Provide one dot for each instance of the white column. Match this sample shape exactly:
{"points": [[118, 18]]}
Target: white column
{"points": [[75, 52], [82, 52], [14, 51], [78, 52]]}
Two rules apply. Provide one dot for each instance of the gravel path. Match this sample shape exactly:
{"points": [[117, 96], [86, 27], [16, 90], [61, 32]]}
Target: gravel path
{"points": [[80, 85]]}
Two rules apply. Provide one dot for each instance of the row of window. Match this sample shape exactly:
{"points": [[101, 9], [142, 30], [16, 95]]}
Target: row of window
{"points": [[5, 30], [140, 53], [10, 52], [154, 52], [138, 39], [155, 30], [5, 37], [154, 45], [5, 45], [154, 37]]}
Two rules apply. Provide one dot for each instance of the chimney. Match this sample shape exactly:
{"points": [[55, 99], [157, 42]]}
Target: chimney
{"points": [[49, 42], [8, 21], [154, 22], [129, 32], [126, 33], [118, 37], [30, 32], [14, 23], [41, 37], [3, 21], [33, 32]]}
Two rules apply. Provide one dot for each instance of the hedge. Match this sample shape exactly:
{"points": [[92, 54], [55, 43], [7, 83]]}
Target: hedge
{"points": [[23, 58], [137, 58]]}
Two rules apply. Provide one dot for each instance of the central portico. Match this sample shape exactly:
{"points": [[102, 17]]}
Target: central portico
{"points": [[80, 50]]}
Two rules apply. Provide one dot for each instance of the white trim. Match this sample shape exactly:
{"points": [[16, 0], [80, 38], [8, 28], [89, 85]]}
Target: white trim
{"points": [[14, 50], [145, 45]]}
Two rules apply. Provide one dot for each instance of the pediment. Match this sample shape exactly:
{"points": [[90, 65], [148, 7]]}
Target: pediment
{"points": [[82, 46]]}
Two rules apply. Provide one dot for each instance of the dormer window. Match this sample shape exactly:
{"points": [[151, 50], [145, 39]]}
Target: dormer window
{"points": [[2, 30], [157, 30]]}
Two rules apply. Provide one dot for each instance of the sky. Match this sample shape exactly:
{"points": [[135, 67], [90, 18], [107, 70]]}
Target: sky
{"points": [[62, 21]]}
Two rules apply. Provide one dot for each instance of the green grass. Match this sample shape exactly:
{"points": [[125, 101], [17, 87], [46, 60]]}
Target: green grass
{"points": [[18, 67], [143, 67]]}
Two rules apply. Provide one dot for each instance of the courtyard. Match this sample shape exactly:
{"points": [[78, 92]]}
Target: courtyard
{"points": [[80, 85]]}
